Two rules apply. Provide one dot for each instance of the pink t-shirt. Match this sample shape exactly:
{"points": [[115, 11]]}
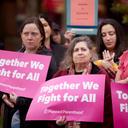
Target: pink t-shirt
{"points": [[123, 65]]}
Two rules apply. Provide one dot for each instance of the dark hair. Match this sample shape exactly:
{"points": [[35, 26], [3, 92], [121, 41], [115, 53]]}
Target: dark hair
{"points": [[53, 26], [120, 43], [45, 16], [39, 25]]}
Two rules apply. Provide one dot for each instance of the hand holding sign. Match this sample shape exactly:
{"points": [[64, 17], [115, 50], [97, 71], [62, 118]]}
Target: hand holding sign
{"points": [[7, 101], [13, 98], [61, 121]]}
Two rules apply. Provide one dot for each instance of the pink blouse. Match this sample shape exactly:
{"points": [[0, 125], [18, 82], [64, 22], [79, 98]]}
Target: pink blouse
{"points": [[123, 65]]}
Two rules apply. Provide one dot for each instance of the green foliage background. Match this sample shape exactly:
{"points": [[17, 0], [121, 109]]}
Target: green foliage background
{"points": [[122, 9]]}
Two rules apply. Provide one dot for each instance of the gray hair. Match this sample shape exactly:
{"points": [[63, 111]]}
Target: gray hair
{"points": [[68, 60]]}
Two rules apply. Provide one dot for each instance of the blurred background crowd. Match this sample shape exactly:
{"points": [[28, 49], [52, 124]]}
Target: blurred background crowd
{"points": [[14, 12]]}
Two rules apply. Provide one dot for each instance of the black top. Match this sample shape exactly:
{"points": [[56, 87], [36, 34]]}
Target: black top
{"points": [[53, 64], [23, 103], [58, 52]]}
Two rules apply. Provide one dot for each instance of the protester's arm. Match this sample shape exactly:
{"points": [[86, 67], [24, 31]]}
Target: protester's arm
{"points": [[68, 37], [4, 97], [108, 62], [118, 79]]}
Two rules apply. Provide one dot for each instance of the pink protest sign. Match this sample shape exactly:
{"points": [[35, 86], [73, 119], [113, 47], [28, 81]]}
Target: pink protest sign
{"points": [[120, 104], [83, 12], [78, 97], [22, 73]]}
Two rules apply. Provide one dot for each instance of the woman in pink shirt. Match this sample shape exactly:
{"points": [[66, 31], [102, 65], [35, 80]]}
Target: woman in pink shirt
{"points": [[122, 74]]}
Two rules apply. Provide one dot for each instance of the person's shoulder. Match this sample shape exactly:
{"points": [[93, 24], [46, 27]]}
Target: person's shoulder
{"points": [[57, 46], [44, 51], [124, 55], [60, 73]]}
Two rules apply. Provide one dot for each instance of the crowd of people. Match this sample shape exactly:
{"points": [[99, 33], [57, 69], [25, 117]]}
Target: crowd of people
{"points": [[71, 55]]}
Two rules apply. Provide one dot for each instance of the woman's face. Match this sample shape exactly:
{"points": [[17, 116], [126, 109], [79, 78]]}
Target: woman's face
{"points": [[47, 28], [56, 37], [31, 36], [109, 36], [81, 53]]}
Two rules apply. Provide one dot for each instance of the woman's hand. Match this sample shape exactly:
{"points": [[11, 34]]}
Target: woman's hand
{"points": [[110, 68], [124, 81], [61, 121], [69, 35], [107, 56], [108, 62], [13, 98], [7, 101]]}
